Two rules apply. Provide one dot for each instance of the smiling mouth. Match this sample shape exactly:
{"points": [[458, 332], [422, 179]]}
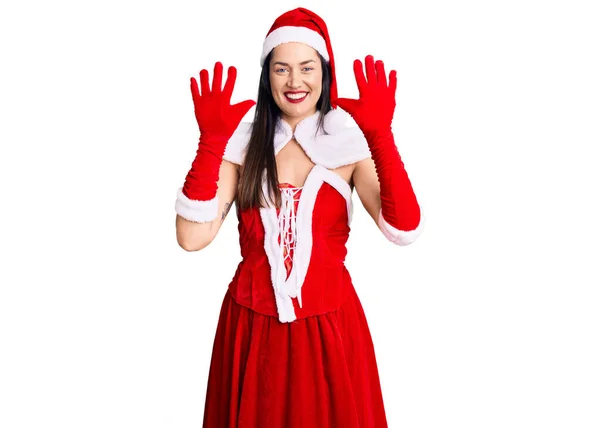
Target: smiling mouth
{"points": [[295, 97]]}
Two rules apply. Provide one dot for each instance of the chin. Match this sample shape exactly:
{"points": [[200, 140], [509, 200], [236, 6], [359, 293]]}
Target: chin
{"points": [[299, 113], [298, 110]]}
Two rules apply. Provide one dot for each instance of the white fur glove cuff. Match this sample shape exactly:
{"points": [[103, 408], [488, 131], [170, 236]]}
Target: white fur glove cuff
{"points": [[196, 211]]}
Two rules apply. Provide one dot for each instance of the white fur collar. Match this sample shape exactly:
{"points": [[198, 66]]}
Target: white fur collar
{"points": [[330, 150]]}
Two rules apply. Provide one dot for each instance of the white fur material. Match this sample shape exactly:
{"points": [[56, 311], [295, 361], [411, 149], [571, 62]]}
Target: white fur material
{"points": [[286, 289], [196, 211], [400, 237], [235, 150], [335, 121], [345, 147], [285, 307], [294, 34]]}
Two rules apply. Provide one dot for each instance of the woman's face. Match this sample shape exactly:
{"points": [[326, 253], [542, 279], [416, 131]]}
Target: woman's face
{"points": [[296, 78]]}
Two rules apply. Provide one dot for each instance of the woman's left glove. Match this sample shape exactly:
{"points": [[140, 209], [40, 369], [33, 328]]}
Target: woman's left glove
{"points": [[373, 113]]}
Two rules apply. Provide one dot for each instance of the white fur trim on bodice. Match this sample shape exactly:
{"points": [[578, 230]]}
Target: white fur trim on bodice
{"points": [[286, 289]]}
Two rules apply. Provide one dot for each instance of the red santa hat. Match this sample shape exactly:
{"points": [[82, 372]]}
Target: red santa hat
{"points": [[303, 26]]}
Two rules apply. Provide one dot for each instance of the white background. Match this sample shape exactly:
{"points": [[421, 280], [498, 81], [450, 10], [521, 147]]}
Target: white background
{"points": [[490, 319]]}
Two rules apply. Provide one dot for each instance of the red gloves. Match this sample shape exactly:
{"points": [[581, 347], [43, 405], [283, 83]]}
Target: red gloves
{"points": [[373, 113], [217, 120]]}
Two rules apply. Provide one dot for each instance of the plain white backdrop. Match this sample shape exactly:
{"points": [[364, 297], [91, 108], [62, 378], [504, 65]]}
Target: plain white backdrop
{"points": [[490, 319]]}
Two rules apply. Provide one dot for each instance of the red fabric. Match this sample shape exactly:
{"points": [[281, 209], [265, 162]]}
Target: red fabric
{"points": [[399, 204], [373, 113], [217, 120], [327, 281], [318, 372]]}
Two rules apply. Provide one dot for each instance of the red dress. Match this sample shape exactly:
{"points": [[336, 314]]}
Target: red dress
{"points": [[292, 347]]}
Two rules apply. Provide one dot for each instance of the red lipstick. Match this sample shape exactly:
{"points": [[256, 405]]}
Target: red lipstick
{"points": [[293, 100]]}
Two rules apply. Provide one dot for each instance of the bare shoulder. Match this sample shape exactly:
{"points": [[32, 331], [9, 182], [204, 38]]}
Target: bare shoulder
{"points": [[230, 166], [233, 166], [346, 172], [362, 168]]}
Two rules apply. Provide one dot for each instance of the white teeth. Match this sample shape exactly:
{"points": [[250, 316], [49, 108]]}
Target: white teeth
{"points": [[296, 96]]}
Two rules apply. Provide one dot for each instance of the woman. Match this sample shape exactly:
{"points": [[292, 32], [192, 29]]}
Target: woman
{"points": [[292, 346]]}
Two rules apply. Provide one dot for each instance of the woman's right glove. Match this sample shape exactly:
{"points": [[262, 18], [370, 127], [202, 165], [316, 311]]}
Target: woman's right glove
{"points": [[217, 120]]}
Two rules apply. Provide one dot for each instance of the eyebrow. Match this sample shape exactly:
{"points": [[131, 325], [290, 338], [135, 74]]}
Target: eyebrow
{"points": [[287, 65]]}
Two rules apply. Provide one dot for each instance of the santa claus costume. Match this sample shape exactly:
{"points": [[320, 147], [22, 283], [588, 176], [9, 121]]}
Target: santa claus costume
{"points": [[292, 347]]}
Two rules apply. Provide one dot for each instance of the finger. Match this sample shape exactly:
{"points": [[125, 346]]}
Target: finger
{"points": [[381, 77], [359, 74], [204, 82], [194, 88], [242, 108], [393, 81], [347, 104], [370, 67], [230, 83], [217, 77]]}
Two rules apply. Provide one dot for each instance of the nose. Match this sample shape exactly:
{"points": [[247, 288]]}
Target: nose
{"points": [[294, 80]]}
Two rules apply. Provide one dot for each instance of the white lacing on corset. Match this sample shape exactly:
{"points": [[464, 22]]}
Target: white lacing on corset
{"points": [[287, 220]]}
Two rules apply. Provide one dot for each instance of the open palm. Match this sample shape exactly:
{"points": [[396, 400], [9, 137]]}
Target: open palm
{"points": [[373, 111], [212, 105]]}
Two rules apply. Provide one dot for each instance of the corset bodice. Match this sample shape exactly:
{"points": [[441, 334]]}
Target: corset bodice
{"points": [[286, 214], [293, 256]]}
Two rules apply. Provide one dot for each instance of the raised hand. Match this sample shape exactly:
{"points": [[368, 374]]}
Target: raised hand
{"points": [[373, 113], [374, 110], [217, 118]]}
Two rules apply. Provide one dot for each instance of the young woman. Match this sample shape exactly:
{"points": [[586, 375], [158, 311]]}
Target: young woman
{"points": [[292, 347]]}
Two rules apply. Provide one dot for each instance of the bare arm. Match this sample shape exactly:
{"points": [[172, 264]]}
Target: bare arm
{"points": [[192, 236], [367, 186]]}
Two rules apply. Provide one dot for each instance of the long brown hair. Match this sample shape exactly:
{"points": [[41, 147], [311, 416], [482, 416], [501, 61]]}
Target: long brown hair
{"points": [[260, 152]]}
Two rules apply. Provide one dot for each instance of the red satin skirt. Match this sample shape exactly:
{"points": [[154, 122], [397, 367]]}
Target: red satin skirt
{"points": [[315, 372]]}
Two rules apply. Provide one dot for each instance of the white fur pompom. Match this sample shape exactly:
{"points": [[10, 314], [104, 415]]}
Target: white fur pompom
{"points": [[335, 121]]}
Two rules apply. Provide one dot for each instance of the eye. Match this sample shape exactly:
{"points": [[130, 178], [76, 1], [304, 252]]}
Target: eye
{"points": [[308, 69], [280, 70]]}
